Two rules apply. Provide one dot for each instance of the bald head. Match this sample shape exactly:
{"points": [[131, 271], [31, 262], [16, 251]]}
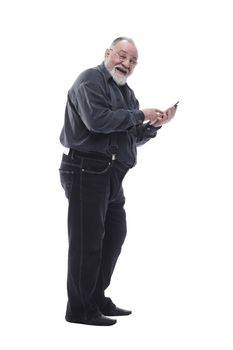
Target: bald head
{"points": [[122, 38]]}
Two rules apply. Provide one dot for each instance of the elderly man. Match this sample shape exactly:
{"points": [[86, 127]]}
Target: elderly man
{"points": [[102, 128]]}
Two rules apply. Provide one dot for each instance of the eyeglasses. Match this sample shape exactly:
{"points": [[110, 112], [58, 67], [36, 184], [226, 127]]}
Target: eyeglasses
{"points": [[123, 57]]}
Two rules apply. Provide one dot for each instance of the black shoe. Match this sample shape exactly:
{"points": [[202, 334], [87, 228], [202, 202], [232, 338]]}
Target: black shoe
{"points": [[99, 320], [117, 312], [110, 309]]}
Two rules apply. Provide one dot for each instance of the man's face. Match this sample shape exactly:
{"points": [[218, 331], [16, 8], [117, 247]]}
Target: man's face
{"points": [[121, 60]]}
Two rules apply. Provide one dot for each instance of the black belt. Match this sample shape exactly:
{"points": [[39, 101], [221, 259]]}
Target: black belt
{"points": [[73, 153], [92, 155]]}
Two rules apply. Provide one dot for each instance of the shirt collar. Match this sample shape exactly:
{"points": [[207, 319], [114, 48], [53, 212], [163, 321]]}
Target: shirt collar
{"points": [[105, 71]]}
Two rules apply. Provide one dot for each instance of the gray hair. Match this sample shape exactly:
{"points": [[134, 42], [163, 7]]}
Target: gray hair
{"points": [[122, 38]]}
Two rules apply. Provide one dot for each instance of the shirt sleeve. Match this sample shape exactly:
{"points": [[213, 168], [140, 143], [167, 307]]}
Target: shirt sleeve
{"points": [[96, 112], [146, 132]]}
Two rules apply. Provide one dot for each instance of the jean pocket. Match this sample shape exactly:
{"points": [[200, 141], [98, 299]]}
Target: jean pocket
{"points": [[67, 181], [92, 166]]}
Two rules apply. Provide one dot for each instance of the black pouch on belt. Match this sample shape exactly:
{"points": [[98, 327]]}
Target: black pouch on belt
{"points": [[113, 145]]}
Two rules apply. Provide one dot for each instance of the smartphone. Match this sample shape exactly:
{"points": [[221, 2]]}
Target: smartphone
{"points": [[176, 104]]}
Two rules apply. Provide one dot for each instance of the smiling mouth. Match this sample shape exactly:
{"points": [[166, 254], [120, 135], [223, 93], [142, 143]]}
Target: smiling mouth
{"points": [[122, 71]]}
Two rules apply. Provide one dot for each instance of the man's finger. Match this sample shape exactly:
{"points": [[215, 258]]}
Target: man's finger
{"points": [[158, 111]]}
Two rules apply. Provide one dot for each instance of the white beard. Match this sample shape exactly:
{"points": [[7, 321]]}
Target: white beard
{"points": [[119, 79]]}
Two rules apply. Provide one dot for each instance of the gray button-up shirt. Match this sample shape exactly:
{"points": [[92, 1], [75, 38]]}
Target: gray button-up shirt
{"points": [[100, 114]]}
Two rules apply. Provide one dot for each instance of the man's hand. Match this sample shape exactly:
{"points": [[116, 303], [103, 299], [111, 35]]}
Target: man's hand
{"points": [[152, 114], [157, 117]]}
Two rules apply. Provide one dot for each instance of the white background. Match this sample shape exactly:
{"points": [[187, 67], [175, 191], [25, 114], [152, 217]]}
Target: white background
{"points": [[175, 271]]}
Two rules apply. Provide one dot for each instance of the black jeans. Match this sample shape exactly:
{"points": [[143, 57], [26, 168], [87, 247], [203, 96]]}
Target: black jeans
{"points": [[96, 229]]}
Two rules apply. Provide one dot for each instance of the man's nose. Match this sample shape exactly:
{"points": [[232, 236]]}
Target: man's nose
{"points": [[126, 63]]}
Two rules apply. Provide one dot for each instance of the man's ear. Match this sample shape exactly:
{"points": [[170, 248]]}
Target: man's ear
{"points": [[107, 53]]}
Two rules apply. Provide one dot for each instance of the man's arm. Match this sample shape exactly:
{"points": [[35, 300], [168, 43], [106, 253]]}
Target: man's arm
{"points": [[96, 112], [92, 103]]}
